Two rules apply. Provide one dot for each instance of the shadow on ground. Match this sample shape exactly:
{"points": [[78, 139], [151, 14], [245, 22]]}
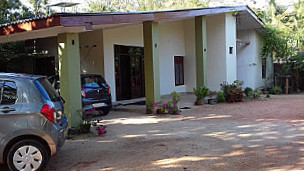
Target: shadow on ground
{"points": [[249, 136], [254, 135]]}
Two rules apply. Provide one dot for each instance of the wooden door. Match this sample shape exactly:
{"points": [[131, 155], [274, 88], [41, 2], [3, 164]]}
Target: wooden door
{"points": [[137, 76]]}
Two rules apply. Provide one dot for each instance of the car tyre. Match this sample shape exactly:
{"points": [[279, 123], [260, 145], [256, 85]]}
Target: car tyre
{"points": [[105, 111], [27, 154]]}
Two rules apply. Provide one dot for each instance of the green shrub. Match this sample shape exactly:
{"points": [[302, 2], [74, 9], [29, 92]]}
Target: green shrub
{"points": [[276, 90], [220, 98], [233, 92], [200, 93], [247, 91], [268, 96], [255, 94], [176, 97]]}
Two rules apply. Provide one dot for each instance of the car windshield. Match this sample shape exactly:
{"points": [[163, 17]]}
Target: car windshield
{"points": [[92, 82], [49, 90]]}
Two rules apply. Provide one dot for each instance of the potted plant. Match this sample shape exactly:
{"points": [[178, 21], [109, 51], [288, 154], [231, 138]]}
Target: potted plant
{"points": [[276, 90], [161, 107], [200, 94], [90, 119], [85, 126]]}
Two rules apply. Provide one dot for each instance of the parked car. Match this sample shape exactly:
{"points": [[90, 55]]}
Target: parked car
{"points": [[95, 92], [33, 125]]}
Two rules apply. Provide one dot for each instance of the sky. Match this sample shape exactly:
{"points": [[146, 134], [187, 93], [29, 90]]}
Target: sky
{"points": [[261, 4]]}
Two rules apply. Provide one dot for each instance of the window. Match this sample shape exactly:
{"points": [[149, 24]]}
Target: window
{"points": [[8, 93], [47, 91], [230, 50], [263, 68], [179, 70], [92, 82]]}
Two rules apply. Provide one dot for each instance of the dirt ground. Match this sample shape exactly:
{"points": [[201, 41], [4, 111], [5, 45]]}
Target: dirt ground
{"points": [[252, 135]]}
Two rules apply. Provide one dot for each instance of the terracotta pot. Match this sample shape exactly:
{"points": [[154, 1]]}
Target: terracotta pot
{"points": [[199, 103], [84, 128]]}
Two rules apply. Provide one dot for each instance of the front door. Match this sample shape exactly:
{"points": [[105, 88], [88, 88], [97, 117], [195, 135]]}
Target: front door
{"points": [[129, 72]]}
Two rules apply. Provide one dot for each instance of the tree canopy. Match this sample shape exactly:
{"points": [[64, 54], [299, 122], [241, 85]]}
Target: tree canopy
{"points": [[284, 32], [140, 5], [11, 10]]}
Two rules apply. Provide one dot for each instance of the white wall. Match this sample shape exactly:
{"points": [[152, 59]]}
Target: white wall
{"points": [[258, 48], [246, 58], [91, 57], [129, 36], [249, 61], [216, 51], [221, 34], [171, 43], [190, 58], [231, 64]]}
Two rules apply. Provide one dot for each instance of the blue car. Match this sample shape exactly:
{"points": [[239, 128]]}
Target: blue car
{"points": [[95, 92]]}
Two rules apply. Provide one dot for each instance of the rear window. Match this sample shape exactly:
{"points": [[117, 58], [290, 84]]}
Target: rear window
{"points": [[8, 93], [93, 82], [47, 90]]}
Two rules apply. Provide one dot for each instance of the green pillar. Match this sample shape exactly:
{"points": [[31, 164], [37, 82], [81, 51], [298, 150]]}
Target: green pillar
{"points": [[69, 76], [201, 50], [152, 86]]}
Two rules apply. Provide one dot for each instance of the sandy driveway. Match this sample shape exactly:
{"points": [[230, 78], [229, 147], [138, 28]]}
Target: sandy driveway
{"points": [[256, 135]]}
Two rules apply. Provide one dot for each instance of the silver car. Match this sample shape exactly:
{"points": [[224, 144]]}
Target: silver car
{"points": [[33, 125]]}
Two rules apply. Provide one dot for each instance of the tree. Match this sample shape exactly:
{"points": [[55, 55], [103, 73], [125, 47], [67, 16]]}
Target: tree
{"points": [[38, 8], [283, 38], [282, 35], [12, 10], [141, 5]]}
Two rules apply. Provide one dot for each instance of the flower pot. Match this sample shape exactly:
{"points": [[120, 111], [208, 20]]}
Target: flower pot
{"points": [[199, 102], [84, 128]]}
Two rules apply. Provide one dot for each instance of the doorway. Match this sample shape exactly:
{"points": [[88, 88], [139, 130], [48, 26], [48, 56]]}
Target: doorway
{"points": [[129, 72]]}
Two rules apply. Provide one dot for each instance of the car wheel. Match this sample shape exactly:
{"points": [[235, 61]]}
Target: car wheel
{"points": [[105, 111], [27, 155]]}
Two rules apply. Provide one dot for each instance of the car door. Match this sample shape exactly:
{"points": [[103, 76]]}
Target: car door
{"points": [[9, 106]]}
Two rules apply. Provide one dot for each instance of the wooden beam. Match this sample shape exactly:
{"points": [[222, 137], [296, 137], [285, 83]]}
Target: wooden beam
{"points": [[72, 20], [30, 26]]}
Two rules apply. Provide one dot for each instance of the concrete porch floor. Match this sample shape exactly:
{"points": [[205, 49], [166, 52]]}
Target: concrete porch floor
{"points": [[138, 105]]}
